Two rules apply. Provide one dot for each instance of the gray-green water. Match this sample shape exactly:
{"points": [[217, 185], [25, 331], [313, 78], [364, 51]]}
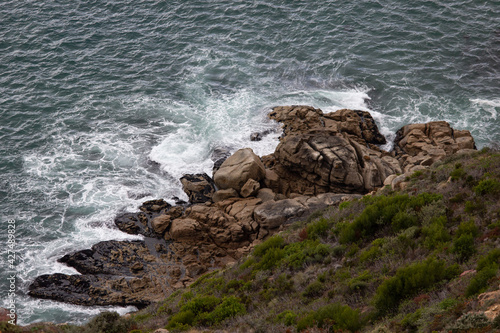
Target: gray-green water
{"points": [[93, 94]]}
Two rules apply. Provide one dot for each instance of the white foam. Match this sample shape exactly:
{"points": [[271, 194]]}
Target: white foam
{"points": [[488, 105], [32, 310]]}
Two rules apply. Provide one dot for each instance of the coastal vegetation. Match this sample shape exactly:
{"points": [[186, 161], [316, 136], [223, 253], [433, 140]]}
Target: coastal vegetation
{"points": [[413, 260]]}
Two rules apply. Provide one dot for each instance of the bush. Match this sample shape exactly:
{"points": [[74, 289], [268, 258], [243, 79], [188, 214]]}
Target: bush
{"points": [[479, 283], [334, 316], [384, 210], [409, 281], [274, 242], [318, 229], [181, 320], [287, 317], [315, 289], [108, 322], [201, 304], [436, 233], [464, 247], [492, 259], [487, 186], [467, 228], [229, 307], [271, 258]]}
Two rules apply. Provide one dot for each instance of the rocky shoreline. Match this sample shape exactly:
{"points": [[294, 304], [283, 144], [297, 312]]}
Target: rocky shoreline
{"points": [[320, 161]]}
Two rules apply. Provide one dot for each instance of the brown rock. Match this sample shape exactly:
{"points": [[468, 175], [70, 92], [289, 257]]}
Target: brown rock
{"points": [[161, 223], [266, 194], [184, 229], [238, 169], [250, 188], [424, 144], [221, 195]]}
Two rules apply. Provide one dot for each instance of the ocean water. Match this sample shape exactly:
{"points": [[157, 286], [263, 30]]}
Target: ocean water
{"points": [[105, 104]]}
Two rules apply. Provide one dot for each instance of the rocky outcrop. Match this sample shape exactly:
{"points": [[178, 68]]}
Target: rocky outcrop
{"points": [[320, 161], [334, 152], [424, 144]]}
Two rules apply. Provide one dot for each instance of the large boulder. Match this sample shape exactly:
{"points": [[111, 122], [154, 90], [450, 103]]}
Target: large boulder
{"points": [[332, 152], [238, 169], [424, 144]]}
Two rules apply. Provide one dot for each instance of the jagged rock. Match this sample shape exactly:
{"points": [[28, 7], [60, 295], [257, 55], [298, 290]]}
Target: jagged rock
{"points": [[154, 206], [332, 152], [221, 195], [199, 187], [250, 188], [238, 168], [424, 144]]}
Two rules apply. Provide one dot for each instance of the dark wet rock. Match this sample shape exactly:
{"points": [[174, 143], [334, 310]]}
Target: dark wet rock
{"points": [[91, 289], [219, 155], [198, 187]]}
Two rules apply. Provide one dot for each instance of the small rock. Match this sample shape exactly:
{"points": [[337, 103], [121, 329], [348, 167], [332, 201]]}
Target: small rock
{"points": [[136, 267], [161, 223], [256, 136], [250, 188], [266, 194], [221, 195]]}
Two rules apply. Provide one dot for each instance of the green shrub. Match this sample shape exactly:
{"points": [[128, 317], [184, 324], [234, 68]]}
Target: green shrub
{"points": [[287, 317], [492, 260], [229, 307], [384, 210], [201, 304], [334, 316], [274, 242], [409, 281], [315, 289], [373, 252], [181, 321], [403, 220], [308, 251], [360, 282], [107, 322], [479, 283], [436, 233], [464, 247], [457, 174], [468, 227], [318, 229], [487, 186], [271, 258]]}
